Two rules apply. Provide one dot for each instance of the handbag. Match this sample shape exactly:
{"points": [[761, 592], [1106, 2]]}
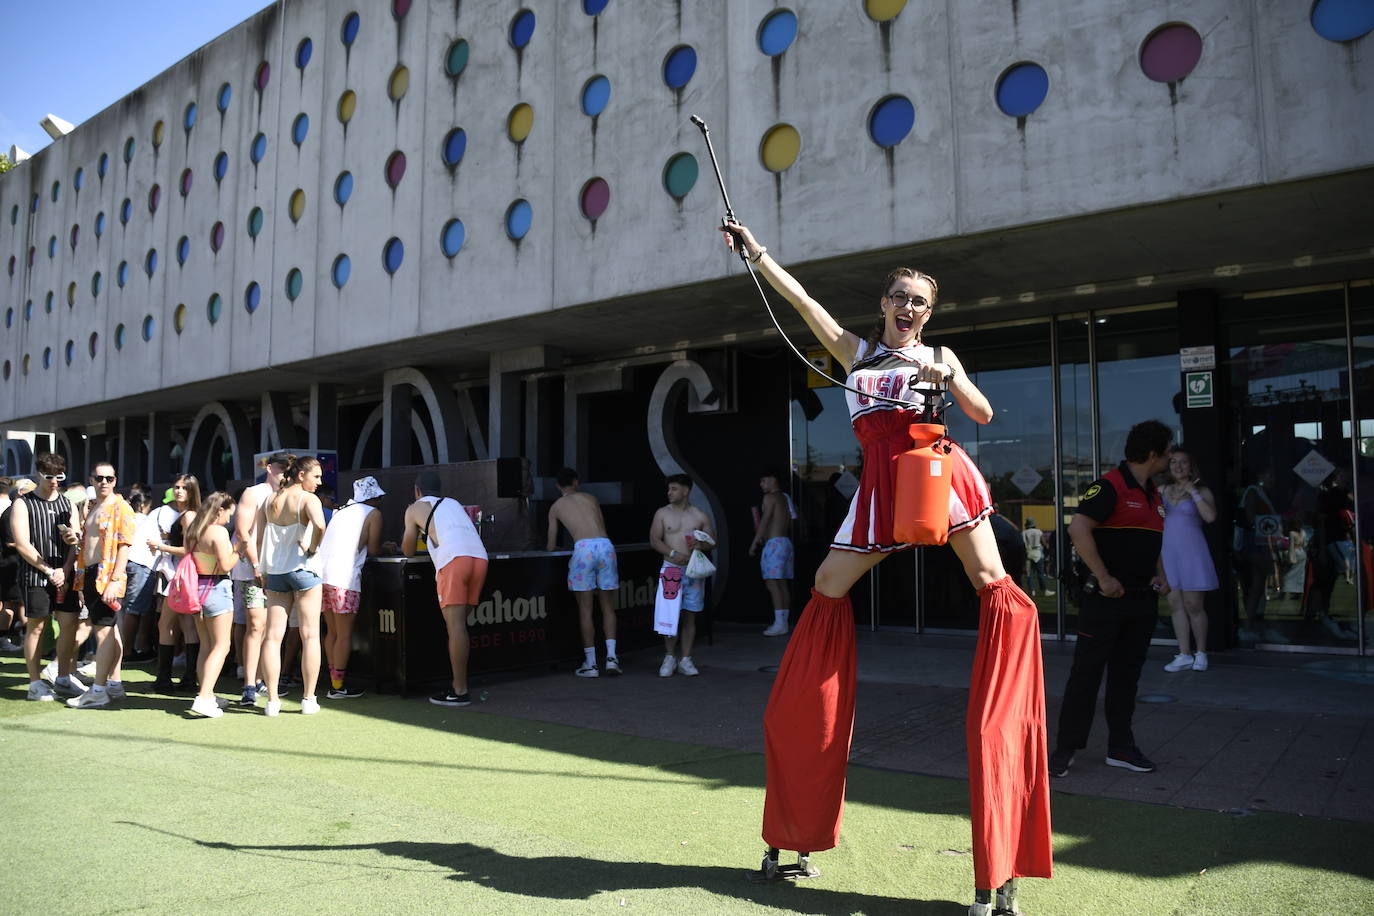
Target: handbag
{"points": [[699, 566]]}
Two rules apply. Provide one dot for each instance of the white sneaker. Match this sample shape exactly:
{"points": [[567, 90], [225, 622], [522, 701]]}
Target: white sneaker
{"points": [[1200, 661], [613, 666], [49, 672], [272, 708], [86, 672], [587, 671], [115, 689], [309, 706], [90, 699], [777, 629], [71, 687], [207, 708], [41, 691], [687, 667], [668, 667], [1181, 662]]}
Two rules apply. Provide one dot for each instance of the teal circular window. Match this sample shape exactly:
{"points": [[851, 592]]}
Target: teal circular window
{"points": [[213, 308], [119, 337], [254, 222], [680, 175], [456, 61], [294, 282]]}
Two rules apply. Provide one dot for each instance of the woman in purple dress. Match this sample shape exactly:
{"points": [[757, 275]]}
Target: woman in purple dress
{"points": [[1187, 561]]}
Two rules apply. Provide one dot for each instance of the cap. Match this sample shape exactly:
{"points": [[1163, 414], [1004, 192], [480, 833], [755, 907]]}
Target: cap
{"points": [[365, 488]]}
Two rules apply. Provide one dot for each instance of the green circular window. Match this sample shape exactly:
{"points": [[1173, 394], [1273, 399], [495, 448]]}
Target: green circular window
{"points": [[680, 175], [457, 59], [213, 308], [294, 282], [254, 222]]}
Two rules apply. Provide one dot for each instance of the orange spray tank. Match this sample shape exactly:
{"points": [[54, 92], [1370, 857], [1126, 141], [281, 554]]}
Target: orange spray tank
{"points": [[923, 476]]}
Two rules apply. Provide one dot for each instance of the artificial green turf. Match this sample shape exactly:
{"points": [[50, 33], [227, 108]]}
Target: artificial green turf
{"points": [[389, 805]]}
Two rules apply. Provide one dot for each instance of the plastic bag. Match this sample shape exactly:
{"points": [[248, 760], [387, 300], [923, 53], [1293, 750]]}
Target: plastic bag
{"points": [[699, 566]]}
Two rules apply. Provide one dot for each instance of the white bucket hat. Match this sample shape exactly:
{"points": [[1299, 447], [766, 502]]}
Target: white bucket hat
{"points": [[365, 488]]}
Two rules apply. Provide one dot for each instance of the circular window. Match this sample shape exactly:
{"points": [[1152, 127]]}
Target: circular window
{"points": [[252, 297], [348, 103], [7, 370], [179, 318], [1170, 52], [148, 327], [303, 52], [777, 32], [129, 147], [76, 235], [154, 198], [393, 253], [1342, 20], [299, 128], [158, 129], [95, 288], [25, 364], [780, 147], [520, 122], [119, 337], [455, 145], [1021, 89], [68, 351], [28, 310], [294, 281], [221, 165], [9, 317], [79, 178], [71, 294], [14, 215], [883, 10], [451, 238], [594, 7], [259, 148], [263, 74], [399, 8], [11, 267], [47, 300], [457, 58], [254, 222], [100, 224], [343, 188], [596, 93], [521, 29], [150, 261], [399, 83], [56, 190], [122, 274], [93, 344], [214, 306], [103, 165], [183, 249], [226, 92], [185, 182], [348, 32], [217, 236], [126, 210], [519, 216], [395, 168], [891, 120], [595, 198], [679, 66], [341, 269], [52, 247], [296, 205], [188, 118]]}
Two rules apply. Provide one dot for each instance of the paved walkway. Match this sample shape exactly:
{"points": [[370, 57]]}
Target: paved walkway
{"points": [[1258, 732]]}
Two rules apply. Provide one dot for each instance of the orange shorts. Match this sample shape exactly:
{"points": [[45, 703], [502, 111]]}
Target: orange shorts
{"points": [[460, 582]]}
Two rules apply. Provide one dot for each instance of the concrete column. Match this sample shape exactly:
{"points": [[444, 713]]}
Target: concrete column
{"points": [[396, 426], [159, 446], [128, 456], [504, 413], [324, 416], [276, 429]]}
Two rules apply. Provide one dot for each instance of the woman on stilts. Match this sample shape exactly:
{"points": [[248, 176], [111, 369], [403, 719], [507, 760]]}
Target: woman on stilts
{"points": [[810, 716]]}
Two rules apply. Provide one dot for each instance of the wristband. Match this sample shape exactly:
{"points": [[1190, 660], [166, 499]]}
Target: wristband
{"points": [[953, 371]]}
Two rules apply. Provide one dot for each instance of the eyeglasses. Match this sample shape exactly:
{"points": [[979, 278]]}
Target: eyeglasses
{"points": [[902, 297], [101, 478], [57, 477]]}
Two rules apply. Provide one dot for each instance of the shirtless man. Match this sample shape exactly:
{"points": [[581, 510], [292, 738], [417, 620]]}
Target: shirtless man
{"points": [[250, 602], [592, 567], [773, 534], [671, 535], [106, 536]]}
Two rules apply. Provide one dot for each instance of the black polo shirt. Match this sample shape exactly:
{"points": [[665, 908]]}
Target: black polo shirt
{"points": [[1130, 525]]}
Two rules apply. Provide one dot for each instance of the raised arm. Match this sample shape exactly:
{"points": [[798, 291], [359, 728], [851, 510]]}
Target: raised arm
{"points": [[842, 344], [966, 394]]}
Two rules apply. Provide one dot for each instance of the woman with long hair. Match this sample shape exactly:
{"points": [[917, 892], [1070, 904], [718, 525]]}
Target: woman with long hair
{"points": [[169, 547], [290, 526], [1188, 505], [810, 714], [207, 539]]}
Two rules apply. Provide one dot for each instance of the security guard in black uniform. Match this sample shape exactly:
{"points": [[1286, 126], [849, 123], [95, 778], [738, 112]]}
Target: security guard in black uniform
{"points": [[1117, 532]]}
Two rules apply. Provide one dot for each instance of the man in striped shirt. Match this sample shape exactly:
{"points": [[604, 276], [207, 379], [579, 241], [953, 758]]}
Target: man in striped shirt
{"points": [[45, 528]]}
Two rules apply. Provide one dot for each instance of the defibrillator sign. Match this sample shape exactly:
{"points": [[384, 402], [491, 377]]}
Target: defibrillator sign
{"points": [[1198, 387]]}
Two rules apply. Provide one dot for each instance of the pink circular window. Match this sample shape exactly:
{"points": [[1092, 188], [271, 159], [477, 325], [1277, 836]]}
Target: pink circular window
{"points": [[596, 197], [395, 168], [217, 237], [263, 75], [1171, 52]]}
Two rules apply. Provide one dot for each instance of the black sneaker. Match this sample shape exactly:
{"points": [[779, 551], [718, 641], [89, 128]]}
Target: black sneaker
{"points": [[449, 698], [343, 693], [1060, 761], [1130, 758]]}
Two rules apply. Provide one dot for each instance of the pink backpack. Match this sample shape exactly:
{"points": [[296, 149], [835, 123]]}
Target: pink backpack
{"points": [[183, 591]]}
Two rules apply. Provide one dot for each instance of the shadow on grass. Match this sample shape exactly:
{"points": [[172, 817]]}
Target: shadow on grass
{"points": [[577, 878]]}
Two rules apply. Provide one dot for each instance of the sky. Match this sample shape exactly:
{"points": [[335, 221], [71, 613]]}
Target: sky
{"points": [[75, 58]]}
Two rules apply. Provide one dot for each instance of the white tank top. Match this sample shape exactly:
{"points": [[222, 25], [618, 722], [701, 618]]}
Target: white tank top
{"points": [[339, 561], [454, 531], [283, 547], [887, 372]]}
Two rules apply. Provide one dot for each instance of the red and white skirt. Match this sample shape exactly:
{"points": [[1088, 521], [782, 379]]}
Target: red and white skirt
{"points": [[868, 525]]}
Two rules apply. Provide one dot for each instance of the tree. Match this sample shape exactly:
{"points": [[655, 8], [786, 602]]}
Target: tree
{"points": [[5, 164]]}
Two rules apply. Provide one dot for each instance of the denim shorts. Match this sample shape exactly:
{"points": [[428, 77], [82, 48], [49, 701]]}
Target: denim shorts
{"points": [[216, 597], [297, 580], [140, 590]]}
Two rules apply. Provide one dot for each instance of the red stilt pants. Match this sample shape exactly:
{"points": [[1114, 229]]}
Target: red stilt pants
{"points": [[807, 729], [1008, 777]]}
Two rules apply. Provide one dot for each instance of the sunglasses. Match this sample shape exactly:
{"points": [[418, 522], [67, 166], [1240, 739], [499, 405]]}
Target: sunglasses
{"points": [[57, 477], [101, 478]]}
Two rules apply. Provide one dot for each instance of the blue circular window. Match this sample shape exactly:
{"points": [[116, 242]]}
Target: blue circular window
{"points": [[150, 262], [455, 145], [226, 92], [258, 149], [451, 239], [252, 297], [9, 317], [122, 274], [126, 210], [522, 29], [79, 179], [56, 190], [28, 310], [594, 7], [214, 307], [47, 357], [303, 52], [349, 32], [221, 165], [595, 95], [95, 291], [100, 224], [189, 119], [341, 269], [679, 66], [1021, 89], [343, 188], [52, 247], [891, 120], [300, 127], [183, 249], [103, 165], [519, 216], [777, 32], [1342, 20], [393, 253], [69, 351], [148, 327]]}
